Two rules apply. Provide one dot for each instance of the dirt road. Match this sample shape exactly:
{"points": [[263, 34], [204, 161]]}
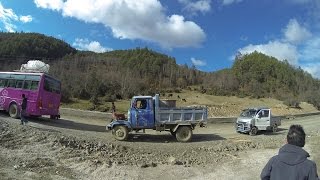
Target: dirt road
{"points": [[78, 147]]}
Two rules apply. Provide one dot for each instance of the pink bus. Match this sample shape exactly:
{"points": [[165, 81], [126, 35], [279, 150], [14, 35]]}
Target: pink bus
{"points": [[42, 91]]}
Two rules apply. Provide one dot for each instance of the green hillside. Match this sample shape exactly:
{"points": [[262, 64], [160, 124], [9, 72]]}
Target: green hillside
{"points": [[32, 45], [120, 74]]}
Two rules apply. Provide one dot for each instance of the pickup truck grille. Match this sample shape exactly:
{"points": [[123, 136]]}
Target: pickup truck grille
{"points": [[242, 126]]}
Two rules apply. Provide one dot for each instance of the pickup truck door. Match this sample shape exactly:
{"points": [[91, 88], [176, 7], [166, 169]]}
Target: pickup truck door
{"points": [[262, 120], [142, 116]]}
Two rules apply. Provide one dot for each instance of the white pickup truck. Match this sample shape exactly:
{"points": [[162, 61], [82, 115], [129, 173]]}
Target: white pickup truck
{"points": [[252, 120]]}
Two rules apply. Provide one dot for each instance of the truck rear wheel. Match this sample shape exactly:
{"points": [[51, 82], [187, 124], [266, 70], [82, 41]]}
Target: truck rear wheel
{"points": [[253, 131], [184, 134], [274, 128], [13, 111], [120, 133]]}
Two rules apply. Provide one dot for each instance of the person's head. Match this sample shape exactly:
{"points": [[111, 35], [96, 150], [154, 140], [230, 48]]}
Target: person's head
{"points": [[296, 136], [23, 96]]}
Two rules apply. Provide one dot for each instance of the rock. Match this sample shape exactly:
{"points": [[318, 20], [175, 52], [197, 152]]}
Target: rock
{"points": [[144, 165], [172, 160]]}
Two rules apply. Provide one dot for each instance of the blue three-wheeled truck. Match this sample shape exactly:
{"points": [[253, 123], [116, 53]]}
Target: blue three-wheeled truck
{"points": [[148, 112]]}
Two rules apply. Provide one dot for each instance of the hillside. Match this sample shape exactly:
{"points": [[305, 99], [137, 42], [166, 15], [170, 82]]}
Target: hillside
{"points": [[120, 74], [32, 46]]}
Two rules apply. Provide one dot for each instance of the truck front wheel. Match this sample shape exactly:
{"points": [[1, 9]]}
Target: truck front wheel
{"points": [[184, 134], [120, 133], [253, 131]]}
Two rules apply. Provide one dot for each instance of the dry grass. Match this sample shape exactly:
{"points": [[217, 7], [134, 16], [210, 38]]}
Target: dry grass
{"points": [[218, 106]]}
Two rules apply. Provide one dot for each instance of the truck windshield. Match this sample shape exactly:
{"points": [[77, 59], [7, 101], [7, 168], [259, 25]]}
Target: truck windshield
{"points": [[248, 113]]}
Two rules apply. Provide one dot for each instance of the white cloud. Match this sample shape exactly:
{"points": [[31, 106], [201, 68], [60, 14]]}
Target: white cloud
{"points": [[277, 49], [295, 33], [311, 50], [202, 6], [85, 44], [228, 2], [8, 17], [49, 4], [198, 62], [25, 19], [128, 19], [313, 69]]}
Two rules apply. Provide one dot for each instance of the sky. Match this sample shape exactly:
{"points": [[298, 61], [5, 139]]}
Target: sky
{"points": [[204, 33]]}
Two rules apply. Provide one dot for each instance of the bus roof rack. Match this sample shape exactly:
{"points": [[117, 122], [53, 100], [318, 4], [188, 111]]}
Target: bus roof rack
{"points": [[35, 66]]}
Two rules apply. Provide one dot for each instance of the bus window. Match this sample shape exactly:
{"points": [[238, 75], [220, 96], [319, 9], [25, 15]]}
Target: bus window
{"points": [[34, 85], [27, 85], [11, 83], [19, 84], [18, 76], [51, 85], [3, 82]]}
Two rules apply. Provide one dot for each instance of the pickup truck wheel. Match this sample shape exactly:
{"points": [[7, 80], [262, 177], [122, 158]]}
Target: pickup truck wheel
{"points": [[184, 134], [13, 111], [253, 131], [274, 128], [120, 133]]}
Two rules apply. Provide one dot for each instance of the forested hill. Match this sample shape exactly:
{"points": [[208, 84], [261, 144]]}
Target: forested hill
{"points": [[33, 45], [258, 75], [123, 73]]}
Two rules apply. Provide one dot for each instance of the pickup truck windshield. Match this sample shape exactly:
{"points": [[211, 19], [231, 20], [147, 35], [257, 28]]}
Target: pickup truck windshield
{"points": [[248, 113]]}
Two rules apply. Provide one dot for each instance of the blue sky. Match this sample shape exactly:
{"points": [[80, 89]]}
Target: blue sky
{"points": [[206, 33]]}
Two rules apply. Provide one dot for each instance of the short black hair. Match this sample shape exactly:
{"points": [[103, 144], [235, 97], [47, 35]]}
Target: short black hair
{"points": [[23, 95], [296, 136]]}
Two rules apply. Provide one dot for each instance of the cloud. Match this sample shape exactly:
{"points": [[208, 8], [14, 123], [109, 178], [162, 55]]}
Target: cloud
{"points": [[197, 62], [25, 19], [140, 19], [49, 4], [85, 44], [277, 49], [228, 2], [311, 50], [313, 69], [202, 6], [8, 17], [295, 33]]}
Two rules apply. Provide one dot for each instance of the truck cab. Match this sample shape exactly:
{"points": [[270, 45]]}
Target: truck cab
{"points": [[252, 120], [141, 112]]}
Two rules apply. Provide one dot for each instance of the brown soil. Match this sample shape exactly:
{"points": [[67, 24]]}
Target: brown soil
{"points": [[78, 147]]}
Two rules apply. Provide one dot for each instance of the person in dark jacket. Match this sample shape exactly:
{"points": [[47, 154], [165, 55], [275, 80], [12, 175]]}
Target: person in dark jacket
{"points": [[24, 104], [292, 161]]}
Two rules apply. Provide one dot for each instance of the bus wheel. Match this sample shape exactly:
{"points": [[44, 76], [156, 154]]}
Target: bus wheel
{"points": [[54, 116], [13, 111], [184, 134], [120, 133]]}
